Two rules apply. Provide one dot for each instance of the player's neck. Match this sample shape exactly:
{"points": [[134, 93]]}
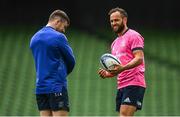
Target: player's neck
{"points": [[51, 25], [123, 32]]}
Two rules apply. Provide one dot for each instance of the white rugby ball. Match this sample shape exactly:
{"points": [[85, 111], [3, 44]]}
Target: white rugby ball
{"points": [[108, 60]]}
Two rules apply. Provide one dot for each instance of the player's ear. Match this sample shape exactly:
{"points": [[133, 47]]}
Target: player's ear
{"points": [[125, 20], [58, 21]]}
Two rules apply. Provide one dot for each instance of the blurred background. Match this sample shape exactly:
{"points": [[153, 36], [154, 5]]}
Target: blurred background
{"points": [[90, 36]]}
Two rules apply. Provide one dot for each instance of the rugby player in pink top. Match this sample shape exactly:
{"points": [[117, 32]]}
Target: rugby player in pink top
{"points": [[128, 48]]}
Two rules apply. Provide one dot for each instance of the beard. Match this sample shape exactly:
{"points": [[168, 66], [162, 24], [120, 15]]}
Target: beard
{"points": [[119, 29]]}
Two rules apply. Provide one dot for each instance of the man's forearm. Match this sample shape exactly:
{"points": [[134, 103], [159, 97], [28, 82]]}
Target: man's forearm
{"points": [[135, 62]]}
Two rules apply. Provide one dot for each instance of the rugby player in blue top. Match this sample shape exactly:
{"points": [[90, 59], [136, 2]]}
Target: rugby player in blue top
{"points": [[54, 60]]}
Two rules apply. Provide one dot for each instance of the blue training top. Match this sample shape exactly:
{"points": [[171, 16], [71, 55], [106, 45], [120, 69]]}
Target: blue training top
{"points": [[53, 58]]}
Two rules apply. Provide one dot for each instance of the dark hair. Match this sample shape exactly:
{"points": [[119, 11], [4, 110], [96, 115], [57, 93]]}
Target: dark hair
{"points": [[59, 13], [120, 10]]}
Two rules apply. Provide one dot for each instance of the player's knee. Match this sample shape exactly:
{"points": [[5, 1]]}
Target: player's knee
{"points": [[60, 113], [125, 112]]}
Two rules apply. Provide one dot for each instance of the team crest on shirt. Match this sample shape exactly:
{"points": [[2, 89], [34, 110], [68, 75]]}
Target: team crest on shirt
{"points": [[123, 44]]}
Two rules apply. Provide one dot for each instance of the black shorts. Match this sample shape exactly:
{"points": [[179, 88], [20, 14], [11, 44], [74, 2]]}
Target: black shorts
{"points": [[53, 101], [130, 95]]}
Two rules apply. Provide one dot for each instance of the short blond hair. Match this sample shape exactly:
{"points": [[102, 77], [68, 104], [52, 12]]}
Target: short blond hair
{"points": [[59, 13]]}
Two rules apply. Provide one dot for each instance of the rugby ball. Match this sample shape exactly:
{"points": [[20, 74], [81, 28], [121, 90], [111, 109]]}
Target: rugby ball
{"points": [[108, 60]]}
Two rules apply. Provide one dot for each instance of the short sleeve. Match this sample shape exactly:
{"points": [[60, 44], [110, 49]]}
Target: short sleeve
{"points": [[137, 42]]}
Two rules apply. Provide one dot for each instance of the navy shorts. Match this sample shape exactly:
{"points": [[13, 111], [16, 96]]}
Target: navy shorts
{"points": [[53, 101], [130, 95]]}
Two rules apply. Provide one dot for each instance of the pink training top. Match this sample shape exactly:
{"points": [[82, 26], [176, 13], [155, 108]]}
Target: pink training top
{"points": [[123, 48]]}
